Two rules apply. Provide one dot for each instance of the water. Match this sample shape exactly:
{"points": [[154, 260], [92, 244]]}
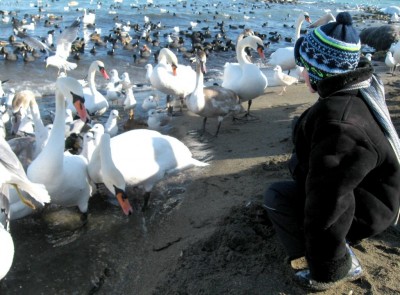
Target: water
{"points": [[170, 14]]}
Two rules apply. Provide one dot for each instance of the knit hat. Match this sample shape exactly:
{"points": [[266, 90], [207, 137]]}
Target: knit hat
{"points": [[331, 49]]}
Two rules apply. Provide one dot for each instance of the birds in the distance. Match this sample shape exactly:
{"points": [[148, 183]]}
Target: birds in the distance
{"points": [[63, 46], [284, 56]]}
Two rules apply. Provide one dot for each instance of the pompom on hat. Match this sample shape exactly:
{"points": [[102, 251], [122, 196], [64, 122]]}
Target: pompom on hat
{"points": [[330, 49]]}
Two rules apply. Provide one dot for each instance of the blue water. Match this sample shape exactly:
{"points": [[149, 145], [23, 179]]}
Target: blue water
{"points": [[261, 17]]}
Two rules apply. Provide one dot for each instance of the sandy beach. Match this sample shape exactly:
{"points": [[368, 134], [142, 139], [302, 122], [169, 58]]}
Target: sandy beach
{"points": [[217, 238]]}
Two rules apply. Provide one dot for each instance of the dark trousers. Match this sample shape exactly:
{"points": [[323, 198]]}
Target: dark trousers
{"points": [[285, 206]]}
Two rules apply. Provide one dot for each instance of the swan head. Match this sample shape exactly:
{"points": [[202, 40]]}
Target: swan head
{"points": [[201, 62], [72, 90], [123, 201], [22, 100], [98, 65], [166, 55]]}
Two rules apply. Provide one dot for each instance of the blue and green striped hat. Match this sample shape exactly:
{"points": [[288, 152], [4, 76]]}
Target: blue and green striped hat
{"points": [[330, 49]]}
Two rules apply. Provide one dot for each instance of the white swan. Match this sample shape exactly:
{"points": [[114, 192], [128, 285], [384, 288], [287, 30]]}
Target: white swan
{"points": [[283, 79], [89, 18], [101, 169], [144, 157], [243, 77], [284, 56], [6, 251], [323, 20], [171, 78], [95, 102], [64, 175], [211, 101]]}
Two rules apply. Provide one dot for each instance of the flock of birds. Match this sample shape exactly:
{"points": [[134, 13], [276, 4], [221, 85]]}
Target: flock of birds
{"points": [[35, 170]]}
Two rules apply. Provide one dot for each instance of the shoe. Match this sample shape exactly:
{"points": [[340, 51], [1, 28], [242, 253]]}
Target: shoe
{"points": [[355, 272]]}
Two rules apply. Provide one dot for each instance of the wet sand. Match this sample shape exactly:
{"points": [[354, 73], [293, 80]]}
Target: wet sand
{"points": [[205, 231]]}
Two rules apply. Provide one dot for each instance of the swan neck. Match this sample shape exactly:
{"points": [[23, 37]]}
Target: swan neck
{"points": [[241, 54], [37, 119], [299, 22], [91, 81]]}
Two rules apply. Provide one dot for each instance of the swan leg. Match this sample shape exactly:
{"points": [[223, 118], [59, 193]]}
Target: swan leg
{"points": [[84, 218], [203, 129], [146, 201], [247, 115], [218, 127]]}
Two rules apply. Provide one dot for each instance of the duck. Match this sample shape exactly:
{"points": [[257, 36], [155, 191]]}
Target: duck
{"points": [[244, 77], [95, 102], [284, 56], [145, 157], [211, 101], [102, 169], [63, 174], [283, 79], [171, 78]]}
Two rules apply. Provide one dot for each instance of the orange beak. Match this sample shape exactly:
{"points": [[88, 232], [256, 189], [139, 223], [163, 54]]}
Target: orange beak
{"points": [[104, 73], [124, 203], [174, 67], [260, 51], [81, 110]]}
